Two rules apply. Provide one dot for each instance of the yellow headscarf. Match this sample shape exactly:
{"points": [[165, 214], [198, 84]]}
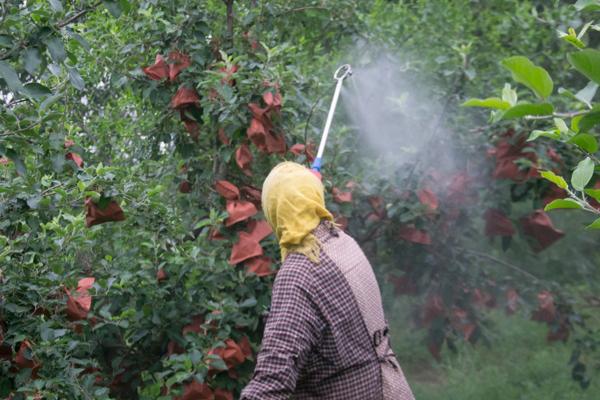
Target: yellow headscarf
{"points": [[294, 204]]}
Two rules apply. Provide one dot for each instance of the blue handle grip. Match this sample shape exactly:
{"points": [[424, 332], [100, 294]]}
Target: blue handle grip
{"points": [[316, 165]]}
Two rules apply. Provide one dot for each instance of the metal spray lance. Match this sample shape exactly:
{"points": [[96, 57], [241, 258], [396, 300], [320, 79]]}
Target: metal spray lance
{"points": [[340, 74]]}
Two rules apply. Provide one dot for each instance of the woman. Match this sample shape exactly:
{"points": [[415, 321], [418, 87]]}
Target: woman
{"points": [[326, 335]]}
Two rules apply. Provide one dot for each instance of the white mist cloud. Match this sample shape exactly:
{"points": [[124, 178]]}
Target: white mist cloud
{"points": [[396, 115]]}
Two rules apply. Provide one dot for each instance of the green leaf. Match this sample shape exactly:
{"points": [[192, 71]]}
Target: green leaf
{"points": [[584, 29], [10, 77], [556, 179], [595, 193], [217, 362], [46, 332], [523, 109], [32, 59], [14, 157], [561, 125], [58, 162], [6, 41], [15, 308], [562, 203], [594, 225], [55, 69], [587, 62], [574, 41], [587, 5], [571, 38], [103, 202], [585, 141], [36, 90], [50, 100], [56, 5], [491, 102], [81, 40], [534, 77], [509, 94], [56, 49], [125, 5], [75, 79], [113, 7], [582, 174], [250, 302], [588, 121], [586, 95], [566, 93], [575, 123], [549, 134]]}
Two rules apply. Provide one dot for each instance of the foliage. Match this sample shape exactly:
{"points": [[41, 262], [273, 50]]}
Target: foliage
{"points": [[85, 128], [574, 128], [422, 222], [517, 365], [135, 136]]}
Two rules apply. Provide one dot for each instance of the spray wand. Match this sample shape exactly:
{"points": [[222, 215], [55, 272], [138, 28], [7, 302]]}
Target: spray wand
{"points": [[340, 74]]}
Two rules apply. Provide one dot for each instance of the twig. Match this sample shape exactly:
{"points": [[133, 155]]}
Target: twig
{"points": [[583, 202], [501, 262], [11, 51], [34, 124], [370, 235], [4, 10], [310, 114], [59, 25], [219, 167], [590, 155], [45, 192], [77, 15], [300, 9], [290, 11], [15, 102], [570, 114], [229, 6]]}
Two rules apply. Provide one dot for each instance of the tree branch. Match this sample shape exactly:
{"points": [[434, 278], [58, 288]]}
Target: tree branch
{"points": [[501, 262], [219, 167], [77, 15], [59, 25], [4, 7], [570, 114], [310, 114], [370, 235], [300, 9], [11, 51], [16, 101], [50, 189], [229, 7]]}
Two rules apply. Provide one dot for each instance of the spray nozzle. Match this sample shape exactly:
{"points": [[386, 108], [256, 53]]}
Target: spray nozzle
{"points": [[343, 72]]}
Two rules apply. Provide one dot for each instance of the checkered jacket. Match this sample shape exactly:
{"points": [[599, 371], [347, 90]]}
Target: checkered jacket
{"points": [[326, 336]]}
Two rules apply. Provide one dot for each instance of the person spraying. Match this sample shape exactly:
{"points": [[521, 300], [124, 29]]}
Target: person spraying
{"points": [[326, 335]]}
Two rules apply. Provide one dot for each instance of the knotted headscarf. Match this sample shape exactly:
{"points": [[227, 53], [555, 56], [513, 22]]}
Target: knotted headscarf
{"points": [[293, 201]]}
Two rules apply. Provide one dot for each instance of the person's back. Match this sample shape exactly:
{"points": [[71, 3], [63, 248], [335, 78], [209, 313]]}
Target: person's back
{"points": [[355, 267], [326, 336]]}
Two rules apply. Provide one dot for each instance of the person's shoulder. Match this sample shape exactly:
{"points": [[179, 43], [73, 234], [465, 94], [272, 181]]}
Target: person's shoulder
{"points": [[342, 235], [296, 268]]}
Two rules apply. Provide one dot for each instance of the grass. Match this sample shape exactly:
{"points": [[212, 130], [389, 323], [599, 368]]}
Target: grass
{"points": [[518, 365]]}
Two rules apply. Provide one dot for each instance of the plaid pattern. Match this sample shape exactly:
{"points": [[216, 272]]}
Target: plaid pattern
{"points": [[316, 343], [355, 267]]}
